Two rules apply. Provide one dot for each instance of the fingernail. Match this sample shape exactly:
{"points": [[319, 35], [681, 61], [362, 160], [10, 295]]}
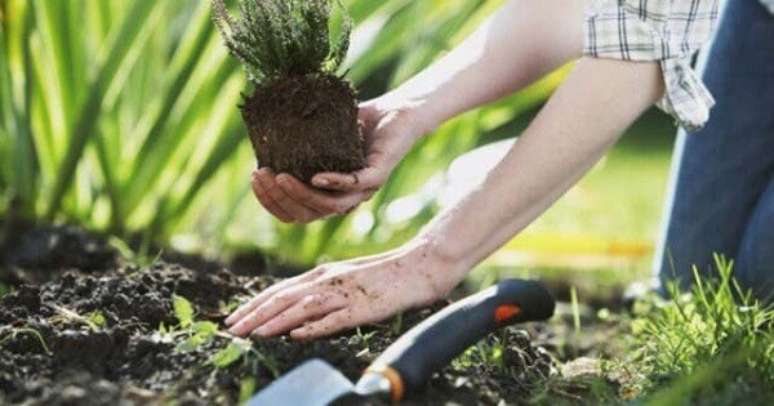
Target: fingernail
{"points": [[321, 182], [260, 331]]}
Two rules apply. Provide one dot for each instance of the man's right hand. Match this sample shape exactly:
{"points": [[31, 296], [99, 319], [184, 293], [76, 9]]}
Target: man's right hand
{"points": [[389, 132]]}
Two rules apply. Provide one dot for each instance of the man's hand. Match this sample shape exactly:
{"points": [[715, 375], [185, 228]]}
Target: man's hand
{"points": [[389, 132], [343, 295]]}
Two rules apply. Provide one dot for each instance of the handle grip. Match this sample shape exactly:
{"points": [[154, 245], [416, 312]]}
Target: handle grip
{"points": [[429, 346]]}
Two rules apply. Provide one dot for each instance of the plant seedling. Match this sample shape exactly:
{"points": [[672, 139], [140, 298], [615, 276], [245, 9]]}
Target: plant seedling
{"points": [[200, 333], [301, 117]]}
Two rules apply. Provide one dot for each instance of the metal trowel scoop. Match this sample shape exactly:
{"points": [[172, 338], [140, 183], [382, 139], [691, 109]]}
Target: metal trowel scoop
{"points": [[411, 360]]}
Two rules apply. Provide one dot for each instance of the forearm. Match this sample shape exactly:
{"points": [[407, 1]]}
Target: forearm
{"points": [[586, 115], [520, 43]]}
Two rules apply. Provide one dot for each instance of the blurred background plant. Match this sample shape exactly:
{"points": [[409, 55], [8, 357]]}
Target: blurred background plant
{"points": [[121, 117]]}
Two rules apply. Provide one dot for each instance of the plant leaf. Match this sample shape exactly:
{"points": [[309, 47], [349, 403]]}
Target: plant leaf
{"points": [[227, 356], [183, 310]]}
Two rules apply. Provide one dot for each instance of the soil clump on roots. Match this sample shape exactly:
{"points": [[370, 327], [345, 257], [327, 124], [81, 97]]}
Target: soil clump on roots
{"points": [[305, 125]]}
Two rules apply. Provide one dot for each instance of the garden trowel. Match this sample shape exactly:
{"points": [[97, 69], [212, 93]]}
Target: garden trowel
{"points": [[410, 361]]}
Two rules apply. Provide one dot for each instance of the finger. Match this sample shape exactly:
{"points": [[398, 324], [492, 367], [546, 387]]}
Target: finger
{"points": [[296, 210], [362, 180], [278, 303], [268, 203], [309, 308], [267, 293], [332, 323], [320, 202]]}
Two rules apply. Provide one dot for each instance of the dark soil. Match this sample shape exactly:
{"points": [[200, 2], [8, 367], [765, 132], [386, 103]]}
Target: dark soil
{"points": [[51, 354], [304, 125]]}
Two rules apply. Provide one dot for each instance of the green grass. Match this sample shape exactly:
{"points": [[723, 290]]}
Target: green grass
{"points": [[698, 344], [712, 345]]}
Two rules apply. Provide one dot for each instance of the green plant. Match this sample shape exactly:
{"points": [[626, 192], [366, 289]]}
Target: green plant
{"points": [[716, 334], [301, 117], [246, 389], [200, 333], [275, 39], [486, 352], [196, 333]]}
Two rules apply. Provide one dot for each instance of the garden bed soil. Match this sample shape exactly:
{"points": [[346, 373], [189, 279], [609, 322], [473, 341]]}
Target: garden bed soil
{"points": [[51, 352]]}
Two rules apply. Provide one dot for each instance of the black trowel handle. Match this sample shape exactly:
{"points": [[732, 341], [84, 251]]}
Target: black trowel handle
{"points": [[431, 345]]}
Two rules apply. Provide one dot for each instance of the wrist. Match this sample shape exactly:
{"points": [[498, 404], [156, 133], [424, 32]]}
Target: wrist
{"points": [[413, 112], [433, 255]]}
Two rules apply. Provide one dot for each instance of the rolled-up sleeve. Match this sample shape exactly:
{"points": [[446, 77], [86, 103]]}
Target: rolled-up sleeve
{"points": [[666, 31]]}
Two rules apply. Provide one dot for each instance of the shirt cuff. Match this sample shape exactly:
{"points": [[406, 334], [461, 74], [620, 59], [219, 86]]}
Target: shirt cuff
{"points": [[685, 98], [620, 32]]}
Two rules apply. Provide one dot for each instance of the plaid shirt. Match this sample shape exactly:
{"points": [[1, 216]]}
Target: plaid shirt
{"points": [[668, 31]]}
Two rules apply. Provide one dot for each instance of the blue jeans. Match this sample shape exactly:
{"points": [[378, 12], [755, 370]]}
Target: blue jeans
{"points": [[721, 197]]}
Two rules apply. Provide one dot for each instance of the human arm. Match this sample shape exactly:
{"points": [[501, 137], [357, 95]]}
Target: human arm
{"points": [[521, 42], [585, 116]]}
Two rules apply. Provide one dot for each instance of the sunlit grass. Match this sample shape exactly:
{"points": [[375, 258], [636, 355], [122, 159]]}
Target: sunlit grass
{"points": [[718, 333], [711, 345]]}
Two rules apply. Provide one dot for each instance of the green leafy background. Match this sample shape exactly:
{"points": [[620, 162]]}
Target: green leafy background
{"points": [[122, 117]]}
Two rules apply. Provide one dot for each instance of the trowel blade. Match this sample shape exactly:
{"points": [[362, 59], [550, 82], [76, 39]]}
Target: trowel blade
{"points": [[313, 383]]}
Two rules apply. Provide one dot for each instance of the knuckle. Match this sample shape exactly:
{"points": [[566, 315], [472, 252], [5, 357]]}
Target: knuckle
{"points": [[282, 298], [312, 302]]}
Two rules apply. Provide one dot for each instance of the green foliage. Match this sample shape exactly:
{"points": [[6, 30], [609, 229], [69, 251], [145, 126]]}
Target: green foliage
{"points": [[278, 38], [485, 352], [101, 119], [199, 334], [246, 389], [717, 334], [232, 353], [96, 319], [128, 124], [184, 311]]}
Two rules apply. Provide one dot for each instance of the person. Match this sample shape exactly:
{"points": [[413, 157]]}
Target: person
{"points": [[721, 197], [630, 55]]}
